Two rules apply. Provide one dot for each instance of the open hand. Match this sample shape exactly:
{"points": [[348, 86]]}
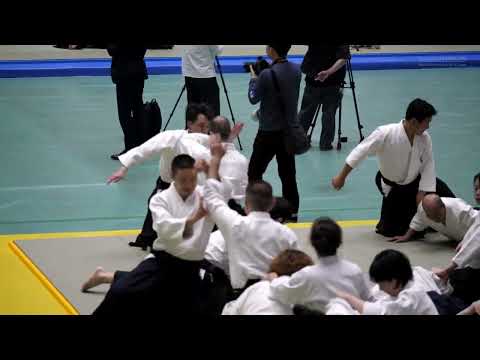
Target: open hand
{"points": [[236, 130], [399, 239], [117, 175]]}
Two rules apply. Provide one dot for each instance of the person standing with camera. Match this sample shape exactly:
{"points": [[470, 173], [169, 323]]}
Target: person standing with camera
{"points": [[324, 67], [129, 73], [277, 89], [198, 68]]}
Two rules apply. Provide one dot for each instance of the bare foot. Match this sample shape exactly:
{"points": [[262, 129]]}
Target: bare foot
{"points": [[96, 279]]}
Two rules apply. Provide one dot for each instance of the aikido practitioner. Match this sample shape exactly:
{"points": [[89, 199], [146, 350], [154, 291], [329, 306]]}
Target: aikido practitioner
{"points": [[451, 217], [167, 281], [407, 168], [392, 271], [252, 241], [215, 267], [312, 287], [257, 300]]}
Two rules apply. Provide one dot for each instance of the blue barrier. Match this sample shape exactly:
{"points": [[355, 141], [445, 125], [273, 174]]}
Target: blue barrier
{"points": [[234, 64]]}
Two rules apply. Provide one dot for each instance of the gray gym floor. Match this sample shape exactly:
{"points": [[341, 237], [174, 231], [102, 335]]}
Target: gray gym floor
{"points": [[67, 263]]}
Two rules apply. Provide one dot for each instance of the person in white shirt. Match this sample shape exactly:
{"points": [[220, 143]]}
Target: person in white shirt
{"points": [[198, 68], [314, 286], [468, 252], [168, 280], [216, 268], [256, 299], [167, 145], [252, 241], [423, 280], [449, 216], [404, 295], [407, 168]]}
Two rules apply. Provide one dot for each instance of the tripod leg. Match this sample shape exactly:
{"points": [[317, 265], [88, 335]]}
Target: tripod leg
{"points": [[352, 86], [228, 99], [339, 139], [314, 123], [174, 107]]}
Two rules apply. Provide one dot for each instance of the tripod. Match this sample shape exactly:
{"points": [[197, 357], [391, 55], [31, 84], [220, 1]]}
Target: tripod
{"points": [[344, 85], [226, 94]]}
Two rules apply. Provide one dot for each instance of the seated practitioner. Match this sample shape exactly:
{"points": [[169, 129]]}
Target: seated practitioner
{"points": [[449, 216], [168, 280], [407, 169], [215, 266], [463, 272], [251, 241], [313, 286], [256, 300], [392, 271], [423, 280], [476, 189]]}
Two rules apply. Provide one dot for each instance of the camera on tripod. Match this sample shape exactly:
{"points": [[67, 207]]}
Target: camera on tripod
{"points": [[258, 66]]}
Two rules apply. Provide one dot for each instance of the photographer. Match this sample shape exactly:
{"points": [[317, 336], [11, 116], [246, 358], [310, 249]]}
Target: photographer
{"points": [[277, 110], [324, 67]]}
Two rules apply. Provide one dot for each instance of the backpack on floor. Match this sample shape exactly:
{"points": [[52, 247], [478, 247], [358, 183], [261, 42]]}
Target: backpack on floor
{"points": [[152, 120]]}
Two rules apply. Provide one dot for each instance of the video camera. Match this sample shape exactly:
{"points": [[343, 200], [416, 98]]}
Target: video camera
{"points": [[258, 66]]}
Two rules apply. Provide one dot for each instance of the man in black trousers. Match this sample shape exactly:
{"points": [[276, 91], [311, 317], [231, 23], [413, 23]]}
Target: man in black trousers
{"points": [[269, 142], [325, 70], [129, 73]]}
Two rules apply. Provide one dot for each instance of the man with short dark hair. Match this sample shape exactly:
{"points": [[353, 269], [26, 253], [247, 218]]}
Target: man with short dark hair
{"points": [[167, 145], [312, 287], [324, 69], [407, 169], [168, 280], [392, 271], [278, 109], [253, 240]]}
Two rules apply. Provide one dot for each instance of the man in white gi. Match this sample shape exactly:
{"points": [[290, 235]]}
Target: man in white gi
{"points": [[256, 299], [451, 217], [314, 286], [252, 241], [168, 280], [193, 142], [198, 68], [407, 168], [392, 271]]}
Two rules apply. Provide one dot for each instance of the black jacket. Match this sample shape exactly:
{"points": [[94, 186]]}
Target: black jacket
{"points": [[322, 57], [127, 62]]}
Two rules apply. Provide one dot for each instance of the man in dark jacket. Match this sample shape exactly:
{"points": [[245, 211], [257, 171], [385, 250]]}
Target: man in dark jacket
{"points": [[269, 142], [324, 67], [129, 73]]}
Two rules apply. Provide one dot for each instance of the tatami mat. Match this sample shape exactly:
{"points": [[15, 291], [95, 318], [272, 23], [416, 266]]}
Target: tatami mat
{"points": [[67, 263]]}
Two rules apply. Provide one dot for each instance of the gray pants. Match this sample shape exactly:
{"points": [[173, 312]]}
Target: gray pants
{"points": [[329, 99]]}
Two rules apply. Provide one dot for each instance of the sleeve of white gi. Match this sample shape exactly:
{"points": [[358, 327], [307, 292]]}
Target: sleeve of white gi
{"points": [[369, 146], [153, 146], [428, 181]]}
